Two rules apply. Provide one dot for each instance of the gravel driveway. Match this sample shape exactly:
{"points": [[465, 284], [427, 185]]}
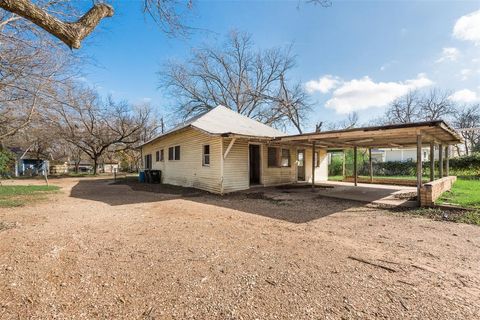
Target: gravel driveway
{"points": [[129, 251]]}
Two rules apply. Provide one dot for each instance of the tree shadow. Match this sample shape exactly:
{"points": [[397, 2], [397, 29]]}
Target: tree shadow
{"points": [[296, 205]]}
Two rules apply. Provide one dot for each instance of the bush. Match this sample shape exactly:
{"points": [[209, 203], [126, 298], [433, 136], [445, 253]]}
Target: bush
{"points": [[7, 162], [467, 166]]}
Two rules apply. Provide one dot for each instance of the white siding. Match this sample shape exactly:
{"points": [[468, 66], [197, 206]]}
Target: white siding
{"points": [[236, 166], [271, 176], [188, 171], [321, 172]]}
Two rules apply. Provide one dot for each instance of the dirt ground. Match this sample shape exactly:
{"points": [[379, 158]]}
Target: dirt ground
{"points": [[131, 251]]}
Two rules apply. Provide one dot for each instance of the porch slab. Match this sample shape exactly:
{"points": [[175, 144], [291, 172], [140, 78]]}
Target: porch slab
{"points": [[388, 195]]}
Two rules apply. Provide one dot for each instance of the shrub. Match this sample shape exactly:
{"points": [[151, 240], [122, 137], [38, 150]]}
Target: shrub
{"points": [[7, 162]]}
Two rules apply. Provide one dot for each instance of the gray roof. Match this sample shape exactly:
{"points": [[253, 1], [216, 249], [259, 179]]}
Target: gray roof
{"points": [[223, 121]]}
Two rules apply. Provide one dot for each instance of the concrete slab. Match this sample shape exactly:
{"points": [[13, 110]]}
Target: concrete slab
{"points": [[369, 193]]}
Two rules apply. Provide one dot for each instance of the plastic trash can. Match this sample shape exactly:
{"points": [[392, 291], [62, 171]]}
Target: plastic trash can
{"points": [[141, 176], [156, 176]]}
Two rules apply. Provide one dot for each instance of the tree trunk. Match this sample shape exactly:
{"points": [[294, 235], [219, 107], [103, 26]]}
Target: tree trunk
{"points": [[95, 163], [70, 33]]}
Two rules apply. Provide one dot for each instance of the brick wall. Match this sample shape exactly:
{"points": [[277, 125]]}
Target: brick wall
{"points": [[431, 191]]}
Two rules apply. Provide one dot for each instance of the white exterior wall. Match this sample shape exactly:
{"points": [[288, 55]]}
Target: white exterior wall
{"points": [[321, 172], [236, 175], [407, 154], [188, 171]]}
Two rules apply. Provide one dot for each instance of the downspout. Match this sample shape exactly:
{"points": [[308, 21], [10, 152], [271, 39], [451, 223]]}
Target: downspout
{"points": [[221, 165]]}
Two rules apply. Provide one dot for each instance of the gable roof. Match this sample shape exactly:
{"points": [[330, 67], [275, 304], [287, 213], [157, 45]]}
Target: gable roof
{"points": [[223, 121]]}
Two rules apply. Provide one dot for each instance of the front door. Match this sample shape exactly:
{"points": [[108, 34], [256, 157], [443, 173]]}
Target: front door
{"points": [[254, 155], [301, 165]]}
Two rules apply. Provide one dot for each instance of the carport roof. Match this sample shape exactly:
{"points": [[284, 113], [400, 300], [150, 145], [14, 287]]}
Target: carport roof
{"points": [[389, 136]]}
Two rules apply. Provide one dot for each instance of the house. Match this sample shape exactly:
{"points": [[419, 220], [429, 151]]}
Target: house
{"points": [[27, 164], [403, 154], [108, 167], [222, 151]]}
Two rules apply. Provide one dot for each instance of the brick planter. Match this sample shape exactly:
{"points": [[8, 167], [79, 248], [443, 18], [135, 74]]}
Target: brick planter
{"points": [[431, 191]]}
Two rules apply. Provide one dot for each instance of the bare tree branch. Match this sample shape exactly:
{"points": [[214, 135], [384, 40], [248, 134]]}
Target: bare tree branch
{"points": [[71, 33]]}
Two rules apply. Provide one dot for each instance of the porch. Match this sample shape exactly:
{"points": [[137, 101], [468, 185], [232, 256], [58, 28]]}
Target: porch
{"points": [[431, 133]]}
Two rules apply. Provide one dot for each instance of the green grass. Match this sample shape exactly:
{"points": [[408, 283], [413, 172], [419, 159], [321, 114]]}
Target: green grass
{"points": [[16, 196], [465, 193], [339, 178]]}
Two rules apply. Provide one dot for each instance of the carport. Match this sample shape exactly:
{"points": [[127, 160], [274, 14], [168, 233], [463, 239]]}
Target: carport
{"points": [[419, 134]]}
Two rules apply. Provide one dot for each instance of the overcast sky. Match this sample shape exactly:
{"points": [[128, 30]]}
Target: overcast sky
{"points": [[352, 56]]}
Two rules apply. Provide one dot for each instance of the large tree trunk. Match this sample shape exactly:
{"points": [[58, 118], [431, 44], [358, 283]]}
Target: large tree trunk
{"points": [[95, 163], [71, 33]]}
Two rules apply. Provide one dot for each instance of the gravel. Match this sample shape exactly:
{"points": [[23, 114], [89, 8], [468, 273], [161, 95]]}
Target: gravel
{"points": [[116, 251]]}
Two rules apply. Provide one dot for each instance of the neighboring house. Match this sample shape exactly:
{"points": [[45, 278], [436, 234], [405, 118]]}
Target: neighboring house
{"points": [[28, 165], [84, 166], [107, 167], [222, 151], [404, 154]]}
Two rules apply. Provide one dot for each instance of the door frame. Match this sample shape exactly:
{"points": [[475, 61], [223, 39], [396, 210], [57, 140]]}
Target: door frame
{"points": [[304, 164], [260, 147]]}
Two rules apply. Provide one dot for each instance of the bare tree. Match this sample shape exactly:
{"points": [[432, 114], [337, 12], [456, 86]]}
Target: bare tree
{"points": [[236, 75], [419, 106], [403, 109], [166, 13], [350, 122], [468, 119], [96, 126], [435, 105], [31, 67]]}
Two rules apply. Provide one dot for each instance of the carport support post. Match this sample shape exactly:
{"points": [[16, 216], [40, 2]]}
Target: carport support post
{"points": [[432, 161], [447, 160], [371, 164], [313, 165], [355, 165], [419, 167], [440, 161]]}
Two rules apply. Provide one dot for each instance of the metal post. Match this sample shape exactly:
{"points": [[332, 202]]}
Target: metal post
{"points": [[419, 167], [432, 161], [355, 165], [440, 161], [313, 165], [447, 162], [343, 165], [371, 164]]}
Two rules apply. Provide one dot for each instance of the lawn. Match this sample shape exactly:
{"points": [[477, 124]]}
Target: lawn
{"points": [[465, 193], [340, 178], [16, 196]]}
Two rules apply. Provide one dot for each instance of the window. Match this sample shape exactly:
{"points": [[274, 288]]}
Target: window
{"points": [[272, 157], [206, 155], [285, 162], [174, 153], [161, 155], [177, 152], [148, 162], [157, 156]]}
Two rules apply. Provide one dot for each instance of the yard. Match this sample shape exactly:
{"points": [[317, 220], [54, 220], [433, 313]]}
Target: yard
{"points": [[465, 192], [15, 196], [125, 250]]}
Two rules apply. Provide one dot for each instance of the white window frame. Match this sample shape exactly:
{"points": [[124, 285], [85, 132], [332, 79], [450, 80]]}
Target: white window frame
{"points": [[204, 155], [174, 153]]}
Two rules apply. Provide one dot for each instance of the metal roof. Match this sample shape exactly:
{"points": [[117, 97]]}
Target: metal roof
{"points": [[224, 121], [397, 135]]}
